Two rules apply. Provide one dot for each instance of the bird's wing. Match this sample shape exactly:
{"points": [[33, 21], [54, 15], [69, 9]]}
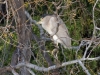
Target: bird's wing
{"points": [[63, 34], [64, 38], [53, 24], [63, 26]]}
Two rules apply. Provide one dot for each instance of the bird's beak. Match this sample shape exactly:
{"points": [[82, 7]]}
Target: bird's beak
{"points": [[40, 22]]}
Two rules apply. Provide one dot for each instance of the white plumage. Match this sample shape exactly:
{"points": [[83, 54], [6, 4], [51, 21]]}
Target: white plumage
{"points": [[57, 29]]}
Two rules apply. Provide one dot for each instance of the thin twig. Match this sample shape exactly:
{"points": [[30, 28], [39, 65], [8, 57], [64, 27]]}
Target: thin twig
{"points": [[87, 48]]}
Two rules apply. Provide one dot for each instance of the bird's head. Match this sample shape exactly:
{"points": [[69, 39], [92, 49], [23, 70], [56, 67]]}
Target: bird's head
{"points": [[45, 19]]}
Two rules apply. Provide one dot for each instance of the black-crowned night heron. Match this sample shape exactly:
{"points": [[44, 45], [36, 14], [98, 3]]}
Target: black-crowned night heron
{"points": [[57, 29]]}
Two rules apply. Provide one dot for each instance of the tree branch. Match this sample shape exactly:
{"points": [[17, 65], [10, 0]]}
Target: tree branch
{"points": [[84, 68], [14, 72], [93, 31], [29, 65], [31, 71]]}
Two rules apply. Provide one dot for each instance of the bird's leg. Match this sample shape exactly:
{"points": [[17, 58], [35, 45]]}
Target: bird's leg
{"points": [[57, 45], [55, 54]]}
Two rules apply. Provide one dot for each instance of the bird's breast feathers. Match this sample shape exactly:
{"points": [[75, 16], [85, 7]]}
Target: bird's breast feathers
{"points": [[56, 39]]}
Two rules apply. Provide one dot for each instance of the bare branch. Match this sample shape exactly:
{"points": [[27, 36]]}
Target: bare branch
{"points": [[93, 31], [33, 21], [14, 72], [97, 28], [1, 2], [31, 71], [39, 26], [84, 68], [29, 65]]}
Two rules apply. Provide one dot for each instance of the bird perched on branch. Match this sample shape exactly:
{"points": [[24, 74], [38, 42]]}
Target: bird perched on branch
{"points": [[57, 29]]}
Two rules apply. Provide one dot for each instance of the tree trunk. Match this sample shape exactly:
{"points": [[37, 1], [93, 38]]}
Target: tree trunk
{"points": [[23, 32]]}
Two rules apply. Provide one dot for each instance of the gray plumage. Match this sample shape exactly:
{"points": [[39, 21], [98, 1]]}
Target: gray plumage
{"points": [[57, 29]]}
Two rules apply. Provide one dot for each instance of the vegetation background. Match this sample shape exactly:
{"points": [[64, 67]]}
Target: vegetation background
{"points": [[21, 38]]}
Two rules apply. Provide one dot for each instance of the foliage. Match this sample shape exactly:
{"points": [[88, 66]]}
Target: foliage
{"points": [[78, 17]]}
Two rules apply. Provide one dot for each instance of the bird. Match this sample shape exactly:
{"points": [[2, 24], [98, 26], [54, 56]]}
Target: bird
{"points": [[57, 29]]}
